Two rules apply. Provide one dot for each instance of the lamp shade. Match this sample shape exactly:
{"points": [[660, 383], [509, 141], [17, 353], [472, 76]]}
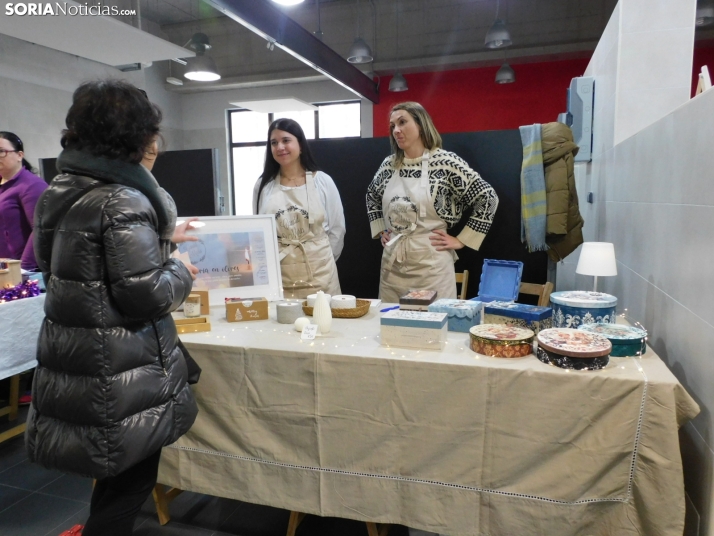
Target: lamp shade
{"points": [[359, 52], [705, 14], [498, 35], [505, 75], [597, 258], [398, 83], [202, 68]]}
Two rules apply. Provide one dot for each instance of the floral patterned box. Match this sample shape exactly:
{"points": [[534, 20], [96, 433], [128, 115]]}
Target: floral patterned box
{"points": [[626, 340], [518, 314], [497, 340], [463, 314], [572, 308]]}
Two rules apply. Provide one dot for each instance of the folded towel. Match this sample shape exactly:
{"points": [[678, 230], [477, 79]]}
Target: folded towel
{"points": [[533, 205]]}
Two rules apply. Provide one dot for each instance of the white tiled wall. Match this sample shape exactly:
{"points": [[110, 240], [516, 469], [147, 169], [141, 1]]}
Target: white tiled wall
{"points": [[653, 178], [659, 213]]}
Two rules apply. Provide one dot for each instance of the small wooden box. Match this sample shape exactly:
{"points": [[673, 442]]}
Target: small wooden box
{"points": [[192, 325], [417, 300], [13, 276], [246, 310]]}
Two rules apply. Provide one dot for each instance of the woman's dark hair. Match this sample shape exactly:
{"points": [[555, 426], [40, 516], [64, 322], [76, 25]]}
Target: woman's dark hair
{"points": [[17, 144], [271, 167], [113, 119]]}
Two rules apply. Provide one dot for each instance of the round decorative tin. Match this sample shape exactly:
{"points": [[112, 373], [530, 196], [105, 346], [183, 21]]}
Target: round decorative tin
{"points": [[574, 343], [626, 340], [572, 363], [498, 340], [573, 308]]}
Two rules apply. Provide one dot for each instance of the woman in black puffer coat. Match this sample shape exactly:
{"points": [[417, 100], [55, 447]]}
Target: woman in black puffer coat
{"points": [[111, 386]]}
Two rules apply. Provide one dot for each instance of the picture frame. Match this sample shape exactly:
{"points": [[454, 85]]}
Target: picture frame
{"points": [[237, 257]]}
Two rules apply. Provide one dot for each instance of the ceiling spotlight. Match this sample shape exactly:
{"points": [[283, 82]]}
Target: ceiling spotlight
{"points": [[175, 81], [505, 75], [705, 14], [288, 2], [398, 83], [201, 68], [498, 35], [359, 52]]}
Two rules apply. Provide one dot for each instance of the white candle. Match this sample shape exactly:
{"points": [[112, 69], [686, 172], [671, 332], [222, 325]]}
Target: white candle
{"points": [[288, 311], [343, 301], [311, 299]]}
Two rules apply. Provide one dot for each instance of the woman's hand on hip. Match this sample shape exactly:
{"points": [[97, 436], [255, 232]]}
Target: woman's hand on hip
{"points": [[442, 241], [385, 236]]}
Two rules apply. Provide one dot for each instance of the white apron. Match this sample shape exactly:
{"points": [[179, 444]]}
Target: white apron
{"points": [[409, 261], [306, 259]]}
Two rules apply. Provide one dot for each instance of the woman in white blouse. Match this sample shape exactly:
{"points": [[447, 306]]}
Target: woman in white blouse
{"points": [[308, 212]]}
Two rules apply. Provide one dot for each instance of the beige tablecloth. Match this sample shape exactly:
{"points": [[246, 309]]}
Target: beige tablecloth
{"points": [[20, 323], [450, 442]]}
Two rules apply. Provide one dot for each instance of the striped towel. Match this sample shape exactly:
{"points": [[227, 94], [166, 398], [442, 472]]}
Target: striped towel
{"points": [[533, 205]]}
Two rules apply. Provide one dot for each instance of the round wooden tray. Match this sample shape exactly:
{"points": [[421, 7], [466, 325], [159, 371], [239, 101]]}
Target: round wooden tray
{"points": [[361, 310]]}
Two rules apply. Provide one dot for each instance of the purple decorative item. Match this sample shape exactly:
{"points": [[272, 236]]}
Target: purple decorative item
{"points": [[28, 289]]}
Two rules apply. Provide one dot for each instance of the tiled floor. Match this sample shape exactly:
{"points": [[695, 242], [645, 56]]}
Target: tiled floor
{"points": [[38, 502]]}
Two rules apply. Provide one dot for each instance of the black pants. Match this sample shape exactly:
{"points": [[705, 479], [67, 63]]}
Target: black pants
{"points": [[116, 500]]}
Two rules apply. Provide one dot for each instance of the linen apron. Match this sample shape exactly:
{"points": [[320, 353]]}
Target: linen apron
{"points": [[306, 259], [409, 261]]}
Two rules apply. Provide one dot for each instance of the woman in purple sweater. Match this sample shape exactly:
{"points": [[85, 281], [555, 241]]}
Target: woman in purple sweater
{"points": [[19, 190]]}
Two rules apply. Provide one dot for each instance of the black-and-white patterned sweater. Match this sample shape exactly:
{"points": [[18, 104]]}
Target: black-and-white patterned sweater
{"points": [[458, 188]]}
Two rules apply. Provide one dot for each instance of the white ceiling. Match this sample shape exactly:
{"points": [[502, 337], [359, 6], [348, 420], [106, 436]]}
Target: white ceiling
{"points": [[102, 39], [276, 105]]}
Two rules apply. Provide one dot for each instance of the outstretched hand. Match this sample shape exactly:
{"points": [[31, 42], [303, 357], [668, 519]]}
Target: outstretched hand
{"points": [[180, 232], [193, 270], [442, 241]]}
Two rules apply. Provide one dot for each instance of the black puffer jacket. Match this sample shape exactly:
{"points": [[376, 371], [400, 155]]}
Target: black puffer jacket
{"points": [[110, 387]]}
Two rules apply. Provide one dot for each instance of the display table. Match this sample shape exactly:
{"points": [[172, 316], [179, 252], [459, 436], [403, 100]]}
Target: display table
{"points": [[20, 323], [450, 442]]}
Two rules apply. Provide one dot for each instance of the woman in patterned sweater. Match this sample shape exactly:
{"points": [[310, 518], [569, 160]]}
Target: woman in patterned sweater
{"points": [[418, 192]]}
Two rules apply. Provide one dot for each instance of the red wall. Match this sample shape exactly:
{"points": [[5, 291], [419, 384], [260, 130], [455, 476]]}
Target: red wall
{"points": [[703, 55], [469, 100]]}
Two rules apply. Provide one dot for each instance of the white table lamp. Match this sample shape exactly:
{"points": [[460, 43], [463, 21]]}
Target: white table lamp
{"points": [[597, 259]]}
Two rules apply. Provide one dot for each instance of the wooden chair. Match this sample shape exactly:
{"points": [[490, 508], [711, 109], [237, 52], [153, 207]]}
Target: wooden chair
{"points": [[463, 278], [11, 410], [542, 291], [372, 528]]}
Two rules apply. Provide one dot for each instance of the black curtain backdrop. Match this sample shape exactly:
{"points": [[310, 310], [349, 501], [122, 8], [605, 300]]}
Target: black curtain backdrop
{"points": [[189, 176], [352, 163], [496, 155]]}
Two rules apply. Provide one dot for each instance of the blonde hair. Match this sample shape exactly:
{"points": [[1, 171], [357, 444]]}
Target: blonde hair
{"points": [[427, 131]]}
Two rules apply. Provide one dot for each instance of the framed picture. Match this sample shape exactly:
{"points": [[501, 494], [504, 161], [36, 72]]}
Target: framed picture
{"points": [[237, 257]]}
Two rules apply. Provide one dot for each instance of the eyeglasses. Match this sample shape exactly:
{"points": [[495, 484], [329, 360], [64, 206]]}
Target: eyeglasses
{"points": [[3, 152]]}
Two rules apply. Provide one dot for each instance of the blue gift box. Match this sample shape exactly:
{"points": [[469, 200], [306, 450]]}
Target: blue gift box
{"points": [[500, 280], [463, 314], [521, 315], [571, 308]]}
